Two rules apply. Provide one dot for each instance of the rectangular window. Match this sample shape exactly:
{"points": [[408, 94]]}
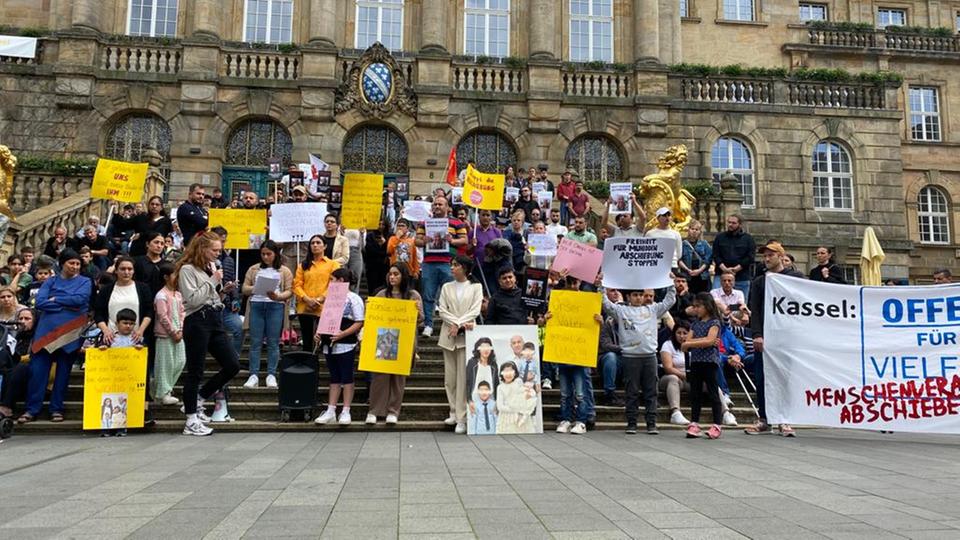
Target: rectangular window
{"points": [[684, 8], [487, 24], [268, 21], [812, 12], [924, 114], [154, 18], [380, 20], [891, 17], [591, 30], [738, 10]]}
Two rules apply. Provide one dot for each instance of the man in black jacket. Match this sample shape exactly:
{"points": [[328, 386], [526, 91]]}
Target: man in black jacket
{"points": [[506, 303], [191, 215], [773, 253], [733, 250]]}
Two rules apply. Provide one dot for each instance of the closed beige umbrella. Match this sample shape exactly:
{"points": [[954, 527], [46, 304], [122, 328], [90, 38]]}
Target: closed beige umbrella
{"points": [[871, 257]]}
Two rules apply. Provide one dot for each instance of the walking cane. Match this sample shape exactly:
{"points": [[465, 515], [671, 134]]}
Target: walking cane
{"points": [[745, 391]]}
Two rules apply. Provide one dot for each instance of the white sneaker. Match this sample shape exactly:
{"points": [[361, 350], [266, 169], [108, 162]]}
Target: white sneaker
{"points": [[460, 429], [427, 331], [678, 419], [345, 419], [252, 382], [169, 400], [328, 416], [579, 428], [371, 420], [727, 400], [546, 384], [271, 381], [391, 419], [202, 416], [563, 427], [197, 429], [451, 420], [729, 419]]}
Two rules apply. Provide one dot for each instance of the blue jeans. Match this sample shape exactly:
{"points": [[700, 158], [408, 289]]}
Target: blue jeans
{"points": [[234, 327], [589, 404], [609, 366], [433, 276], [742, 286], [572, 394], [266, 320], [40, 364], [564, 214]]}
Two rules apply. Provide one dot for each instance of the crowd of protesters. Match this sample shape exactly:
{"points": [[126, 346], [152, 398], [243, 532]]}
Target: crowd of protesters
{"points": [[163, 280]]}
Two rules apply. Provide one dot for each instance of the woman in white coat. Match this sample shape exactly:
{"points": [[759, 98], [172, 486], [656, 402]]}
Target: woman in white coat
{"points": [[459, 306]]}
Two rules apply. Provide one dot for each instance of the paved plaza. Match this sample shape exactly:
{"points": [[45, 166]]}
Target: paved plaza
{"points": [[834, 484]]}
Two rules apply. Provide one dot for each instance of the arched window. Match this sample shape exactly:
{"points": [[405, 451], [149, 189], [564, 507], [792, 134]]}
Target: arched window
{"points": [[832, 177], [134, 133], [492, 152], [730, 154], [376, 149], [933, 212], [254, 142], [595, 158]]}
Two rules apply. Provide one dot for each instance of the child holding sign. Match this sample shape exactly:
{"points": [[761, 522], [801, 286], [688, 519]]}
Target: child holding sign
{"points": [[704, 363], [116, 418], [339, 350]]}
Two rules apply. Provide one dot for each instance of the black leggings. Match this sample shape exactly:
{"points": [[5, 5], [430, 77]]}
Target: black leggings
{"points": [[202, 332], [704, 373], [308, 326]]}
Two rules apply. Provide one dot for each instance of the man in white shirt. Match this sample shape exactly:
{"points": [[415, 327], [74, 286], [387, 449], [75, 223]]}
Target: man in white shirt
{"points": [[555, 227], [663, 230], [726, 296]]}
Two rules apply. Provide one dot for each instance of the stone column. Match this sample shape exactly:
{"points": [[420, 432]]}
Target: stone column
{"points": [[646, 31], [670, 51], [86, 15], [323, 22], [543, 29], [206, 19], [433, 22]]}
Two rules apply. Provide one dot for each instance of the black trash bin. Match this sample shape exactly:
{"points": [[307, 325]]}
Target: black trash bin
{"points": [[299, 381]]}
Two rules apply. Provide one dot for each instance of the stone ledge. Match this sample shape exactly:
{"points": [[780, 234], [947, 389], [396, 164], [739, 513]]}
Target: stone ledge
{"points": [[783, 108], [743, 23]]}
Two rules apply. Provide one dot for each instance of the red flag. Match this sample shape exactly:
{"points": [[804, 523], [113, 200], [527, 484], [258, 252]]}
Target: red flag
{"points": [[451, 173]]}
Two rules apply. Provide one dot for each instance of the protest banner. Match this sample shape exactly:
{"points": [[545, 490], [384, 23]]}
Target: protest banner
{"points": [[535, 288], [510, 197], [18, 47], [456, 196], [579, 260], [332, 312], [637, 263], [436, 231], [572, 333], [881, 358], [362, 200], [119, 181], [114, 381], [544, 201], [416, 211], [246, 229], [389, 330], [296, 222], [501, 400], [482, 190], [542, 245], [620, 198]]}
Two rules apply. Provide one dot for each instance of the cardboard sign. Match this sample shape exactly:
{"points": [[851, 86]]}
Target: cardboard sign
{"points": [[362, 201], [416, 211], [535, 288], [389, 331], [436, 231], [620, 198], [482, 190], [572, 334], [296, 222], [637, 263], [332, 313], [246, 229], [579, 260], [119, 181], [114, 381], [542, 245]]}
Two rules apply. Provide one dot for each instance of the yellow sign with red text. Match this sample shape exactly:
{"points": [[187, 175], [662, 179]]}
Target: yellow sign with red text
{"points": [[119, 181], [483, 190]]}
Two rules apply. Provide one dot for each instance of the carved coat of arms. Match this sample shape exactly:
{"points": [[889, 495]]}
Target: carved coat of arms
{"points": [[376, 85]]}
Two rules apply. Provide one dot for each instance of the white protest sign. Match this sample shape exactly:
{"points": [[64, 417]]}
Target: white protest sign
{"points": [[542, 245], [416, 211], [436, 230], [296, 222], [19, 47], [620, 198], [538, 187], [544, 200], [637, 263], [882, 358], [510, 196]]}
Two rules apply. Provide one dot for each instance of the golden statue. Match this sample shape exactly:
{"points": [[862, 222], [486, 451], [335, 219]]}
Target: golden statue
{"points": [[664, 189], [8, 162]]}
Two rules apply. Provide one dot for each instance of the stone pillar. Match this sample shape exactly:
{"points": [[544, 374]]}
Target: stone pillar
{"points": [[670, 52], [323, 22], [86, 15], [542, 30], [433, 21], [646, 31], [206, 19]]}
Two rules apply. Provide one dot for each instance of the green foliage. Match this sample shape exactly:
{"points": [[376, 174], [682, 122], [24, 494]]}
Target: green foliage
{"points": [[621, 68], [702, 189], [30, 31], [842, 26], [287, 48], [596, 64], [483, 59], [515, 62], [597, 188], [801, 74], [940, 31], [66, 166]]}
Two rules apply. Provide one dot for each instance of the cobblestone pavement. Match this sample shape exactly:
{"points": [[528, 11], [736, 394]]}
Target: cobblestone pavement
{"points": [[835, 484]]}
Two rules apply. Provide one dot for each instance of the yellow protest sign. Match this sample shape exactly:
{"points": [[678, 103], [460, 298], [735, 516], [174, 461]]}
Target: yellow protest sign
{"points": [[389, 330], [119, 181], [114, 381], [246, 229], [483, 190], [362, 200], [572, 334]]}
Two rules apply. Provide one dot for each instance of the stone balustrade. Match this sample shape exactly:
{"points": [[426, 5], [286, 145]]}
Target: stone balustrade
{"points": [[842, 38], [882, 39], [140, 58], [32, 190], [260, 65], [719, 90], [36, 226], [488, 78], [836, 95], [917, 42], [851, 95], [710, 213], [596, 83]]}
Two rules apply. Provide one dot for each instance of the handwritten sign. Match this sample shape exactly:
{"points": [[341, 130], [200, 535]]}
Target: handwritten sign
{"points": [[362, 200], [119, 181], [114, 381], [637, 263], [579, 260], [296, 222], [483, 190], [332, 313], [620, 198], [246, 229], [572, 334], [416, 211], [389, 330], [542, 245]]}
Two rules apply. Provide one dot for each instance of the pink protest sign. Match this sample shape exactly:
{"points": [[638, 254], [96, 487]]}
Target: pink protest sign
{"points": [[332, 312], [580, 260]]}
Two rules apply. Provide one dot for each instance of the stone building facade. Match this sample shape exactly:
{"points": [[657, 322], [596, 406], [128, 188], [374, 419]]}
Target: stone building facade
{"points": [[221, 86]]}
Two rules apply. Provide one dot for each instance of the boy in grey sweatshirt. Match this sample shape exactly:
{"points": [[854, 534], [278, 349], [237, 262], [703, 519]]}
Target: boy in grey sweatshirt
{"points": [[637, 333]]}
